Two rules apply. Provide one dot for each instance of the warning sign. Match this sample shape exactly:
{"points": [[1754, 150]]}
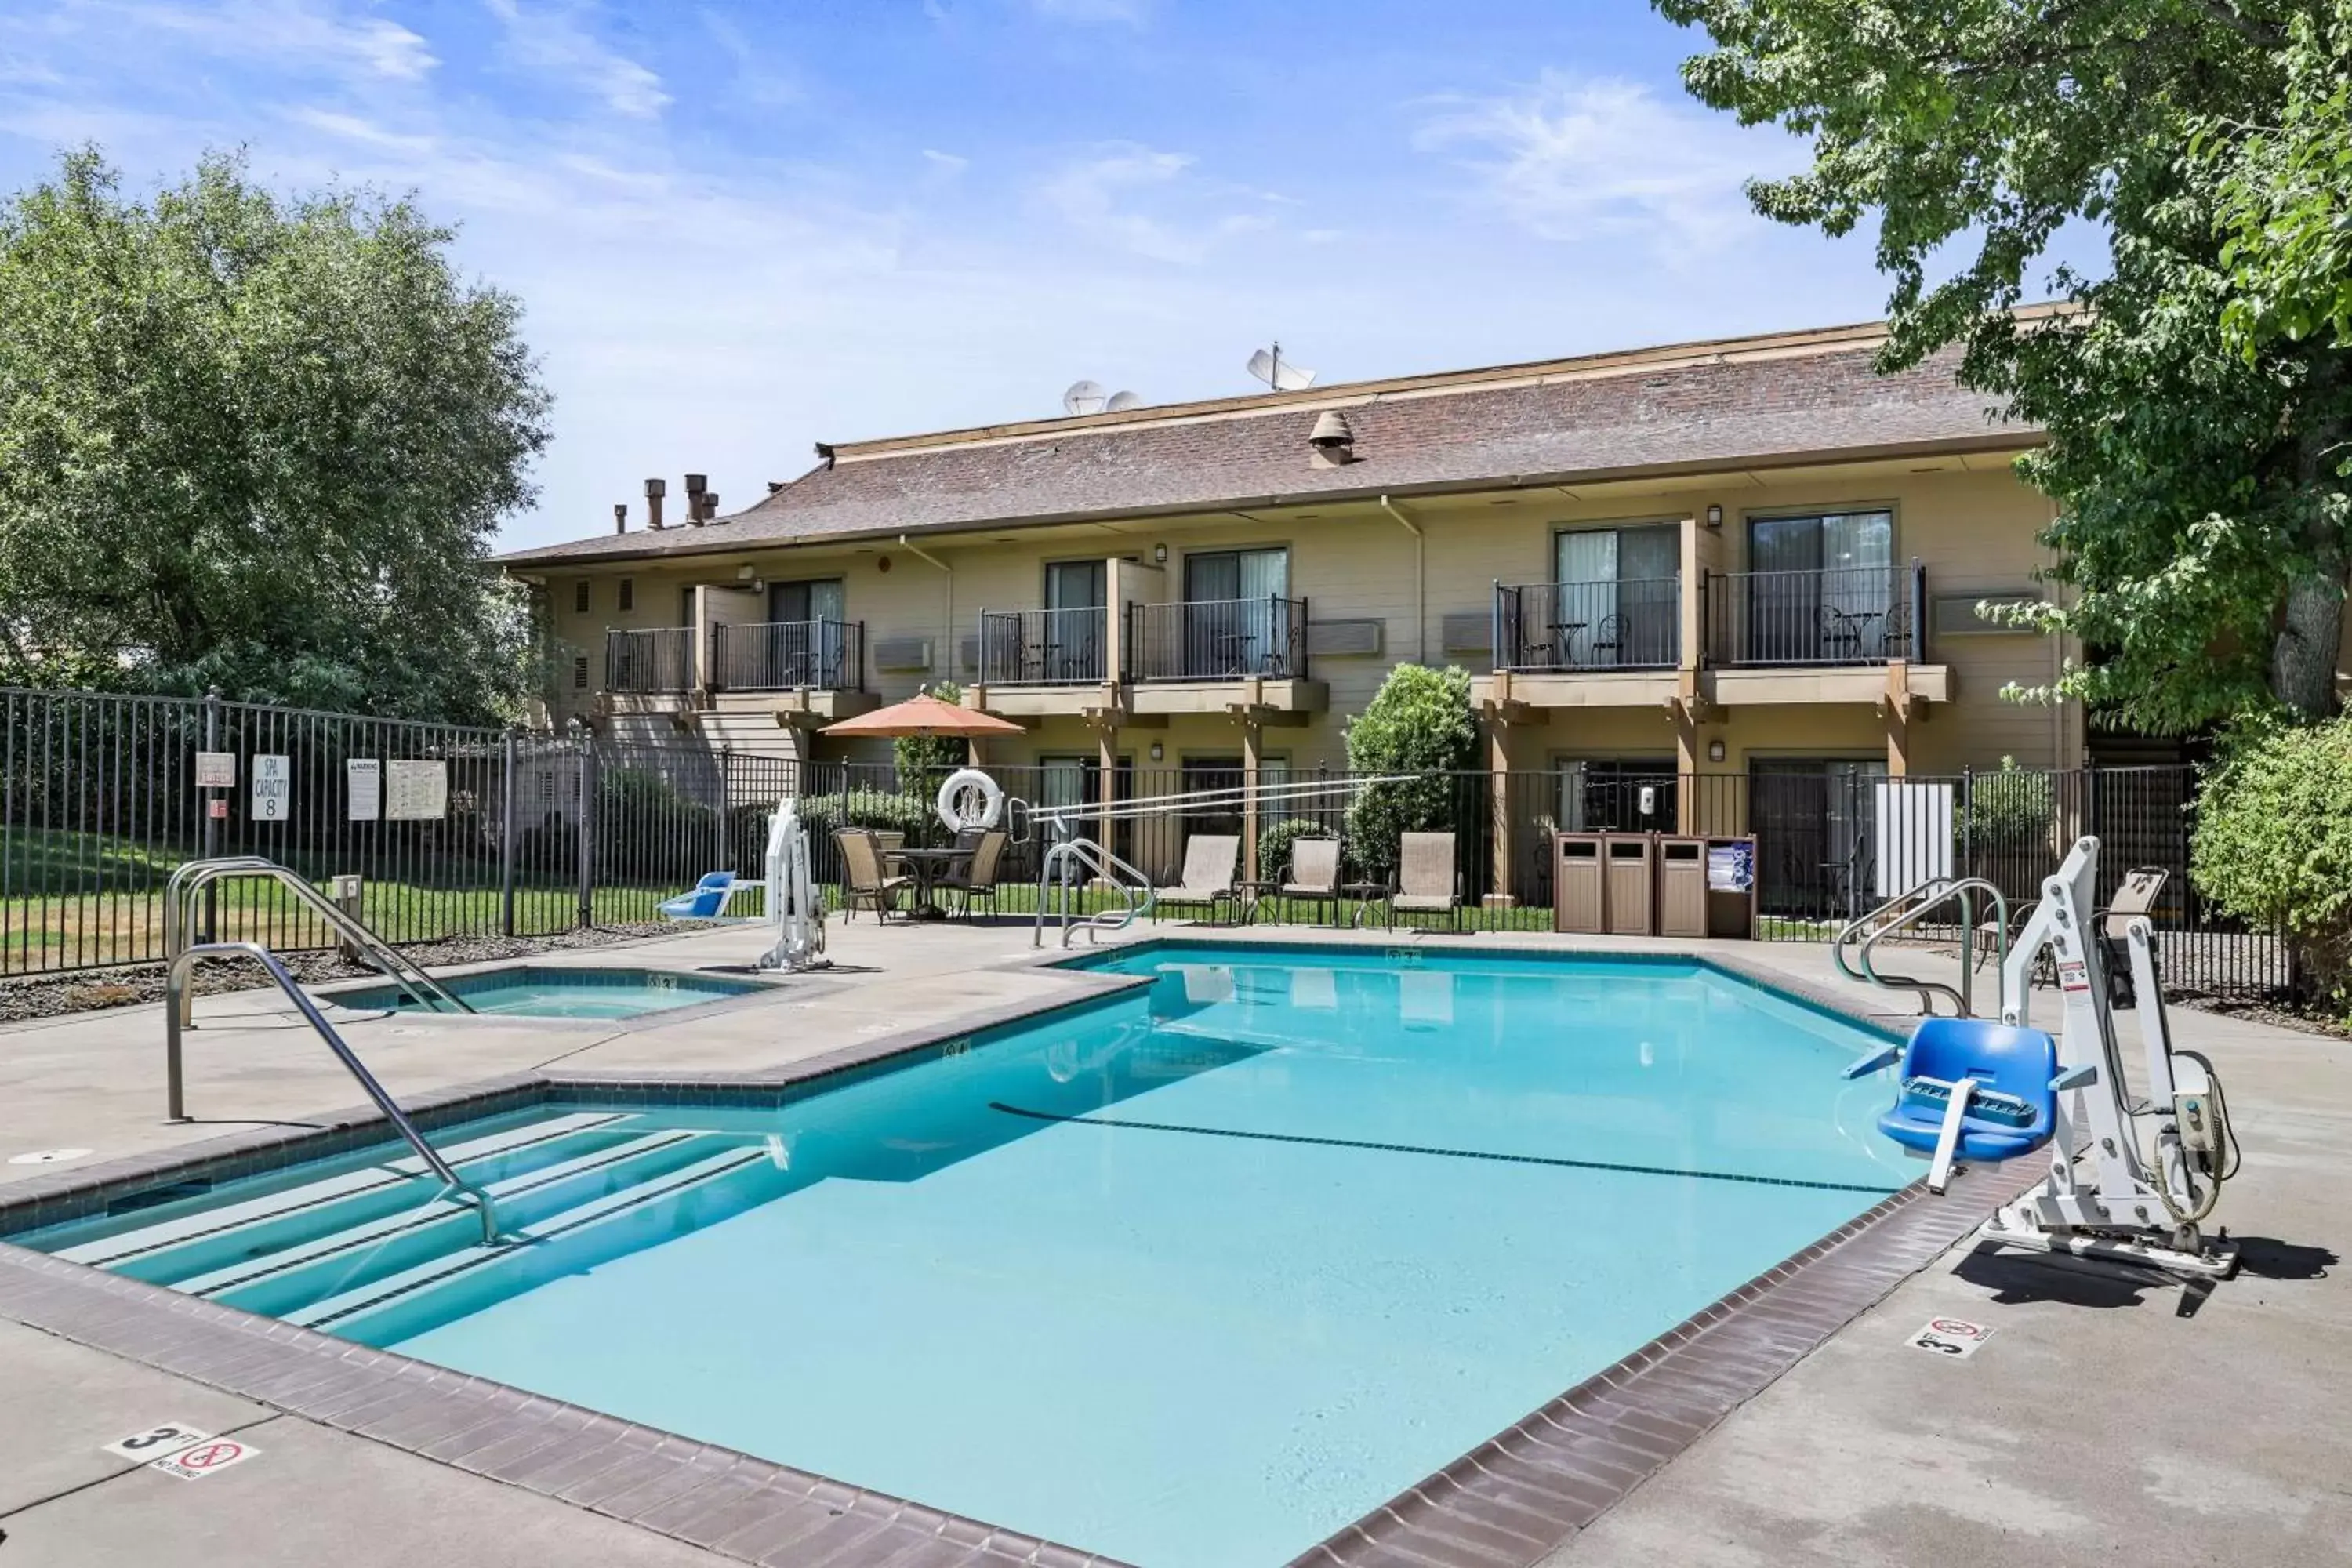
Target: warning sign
{"points": [[216, 769], [1954, 1337], [2073, 975], [209, 1457], [364, 777]]}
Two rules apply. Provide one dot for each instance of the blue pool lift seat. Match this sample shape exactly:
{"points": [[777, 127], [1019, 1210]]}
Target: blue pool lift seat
{"points": [[1969, 1090], [707, 901]]}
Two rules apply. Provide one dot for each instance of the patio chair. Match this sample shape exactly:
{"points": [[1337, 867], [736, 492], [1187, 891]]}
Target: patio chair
{"points": [[1208, 876], [1426, 883], [863, 879], [975, 875], [2135, 898], [1315, 873]]}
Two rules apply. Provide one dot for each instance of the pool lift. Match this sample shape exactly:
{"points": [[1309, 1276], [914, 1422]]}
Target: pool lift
{"points": [[793, 909], [2150, 1171]]}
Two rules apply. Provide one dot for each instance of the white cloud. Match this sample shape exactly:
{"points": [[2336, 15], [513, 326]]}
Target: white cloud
{"points": [[315, 33], [1569, 159], [553, 42], [353, 128], [945, 166], [1102, 197]]}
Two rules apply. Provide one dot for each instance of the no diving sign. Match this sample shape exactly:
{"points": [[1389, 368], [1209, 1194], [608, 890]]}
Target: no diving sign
{"points": [[1954, 1337], [183, 1451]]}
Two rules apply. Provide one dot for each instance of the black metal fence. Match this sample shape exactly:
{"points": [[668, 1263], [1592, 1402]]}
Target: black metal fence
{"points": [[1858, 615], [823, 655], [1219, 639], [659, 660], [1629, 625], [456, 831], [1044, 647]]}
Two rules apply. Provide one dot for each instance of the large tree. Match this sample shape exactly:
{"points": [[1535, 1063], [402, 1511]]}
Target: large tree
{"points": [[256, 443], [2197, 434]]}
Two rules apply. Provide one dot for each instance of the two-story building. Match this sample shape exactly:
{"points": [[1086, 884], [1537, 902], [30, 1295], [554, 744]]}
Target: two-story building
{"points": [[1753, 557]]}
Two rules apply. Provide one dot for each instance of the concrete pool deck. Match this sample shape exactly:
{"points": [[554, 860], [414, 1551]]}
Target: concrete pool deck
{"points": [[2100, 1422]]}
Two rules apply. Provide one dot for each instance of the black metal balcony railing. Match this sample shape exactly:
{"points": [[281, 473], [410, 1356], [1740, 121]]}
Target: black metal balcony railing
{"points": [[1634, 625], [1223, 639], [1044, 647], [821, 654], [1859, 615], [660, 660]]}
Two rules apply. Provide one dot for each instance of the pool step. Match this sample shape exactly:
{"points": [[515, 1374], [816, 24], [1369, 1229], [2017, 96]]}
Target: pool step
{"points": [[569, 1241], [186, 1240], [284, 1279]]}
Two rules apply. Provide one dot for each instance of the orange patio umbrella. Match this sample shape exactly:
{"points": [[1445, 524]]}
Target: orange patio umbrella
{"points": [[924, 715]]}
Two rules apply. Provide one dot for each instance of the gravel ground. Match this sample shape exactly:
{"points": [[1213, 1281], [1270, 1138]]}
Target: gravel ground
{"points": [[86, 990]]}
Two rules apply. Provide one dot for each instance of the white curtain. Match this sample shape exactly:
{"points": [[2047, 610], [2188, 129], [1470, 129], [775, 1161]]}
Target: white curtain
{"points": [[1857, 581], [1587, 595]]}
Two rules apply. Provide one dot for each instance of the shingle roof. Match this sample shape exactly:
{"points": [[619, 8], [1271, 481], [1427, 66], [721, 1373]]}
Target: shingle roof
{"points": [[1752, 401]]}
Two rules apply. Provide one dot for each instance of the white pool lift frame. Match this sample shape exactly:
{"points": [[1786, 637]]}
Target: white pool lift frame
{"points": [[793, 911], [2135, 1207]]}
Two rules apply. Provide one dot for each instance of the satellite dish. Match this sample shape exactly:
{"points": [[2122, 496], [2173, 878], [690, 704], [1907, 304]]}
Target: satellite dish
{"points": [[1120, 402], [1084, 397], [1269, 369]]}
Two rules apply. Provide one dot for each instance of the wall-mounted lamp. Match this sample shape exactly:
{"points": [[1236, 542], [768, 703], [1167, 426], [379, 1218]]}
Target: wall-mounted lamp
{"points": [[1715, 751], [1159, 555], [1714, 517], [743, 574], [1158, 751]]}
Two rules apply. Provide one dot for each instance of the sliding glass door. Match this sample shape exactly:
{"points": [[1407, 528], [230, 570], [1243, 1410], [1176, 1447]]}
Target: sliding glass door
{"points": [[1821, 590], [1617, 599]]}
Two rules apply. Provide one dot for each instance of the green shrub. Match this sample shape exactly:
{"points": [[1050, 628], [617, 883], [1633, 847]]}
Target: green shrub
{"points": [[920, 757], [648, 833], [2274, 843], [1419, 723], [2010, 810], [1274, 841]]}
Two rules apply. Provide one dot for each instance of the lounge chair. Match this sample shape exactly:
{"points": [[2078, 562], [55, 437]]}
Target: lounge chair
{"points": [[863, 879], [709, 899], [975, 875], [1315, 873], [1208, 879], [2135, 899], [1426, 883]]}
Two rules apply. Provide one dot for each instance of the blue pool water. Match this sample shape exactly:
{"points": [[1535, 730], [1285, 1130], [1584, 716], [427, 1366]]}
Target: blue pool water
{"points": [[1190, 1277], [534, 992]]}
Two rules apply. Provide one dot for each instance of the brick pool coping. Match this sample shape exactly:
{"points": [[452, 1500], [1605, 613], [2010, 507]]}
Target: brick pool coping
{"points": [[1507, 1503]]}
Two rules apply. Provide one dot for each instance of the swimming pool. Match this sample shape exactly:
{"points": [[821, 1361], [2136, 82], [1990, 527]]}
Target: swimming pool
{"points": [[535, 991], [1189, 1276]]}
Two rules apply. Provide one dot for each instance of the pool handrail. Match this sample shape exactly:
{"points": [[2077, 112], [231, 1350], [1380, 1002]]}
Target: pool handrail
{"points": [[191, 877], [1908, 909], [175, 979], [1067, 856]]}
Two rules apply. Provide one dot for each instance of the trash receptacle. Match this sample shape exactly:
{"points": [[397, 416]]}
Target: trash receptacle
{"points": [[1579, 890], [1682, 887], [1632, 879]]}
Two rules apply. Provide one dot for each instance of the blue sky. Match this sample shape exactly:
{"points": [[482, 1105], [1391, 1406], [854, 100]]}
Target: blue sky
{"points": [[740, 227]]}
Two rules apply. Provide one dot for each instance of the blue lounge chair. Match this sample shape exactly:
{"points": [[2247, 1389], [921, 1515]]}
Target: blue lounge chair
{"points": [[708, 901], [1971, 1090]]}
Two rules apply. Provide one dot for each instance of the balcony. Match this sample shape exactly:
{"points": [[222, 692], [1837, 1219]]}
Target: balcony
{"points": [[1858, 615], [1589, 628], [1044, 647], [789, 656], [649, 663], [1217, 640]]}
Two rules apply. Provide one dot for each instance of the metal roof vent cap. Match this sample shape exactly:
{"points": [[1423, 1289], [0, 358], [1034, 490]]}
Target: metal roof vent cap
{"points": [[1333, 441]]}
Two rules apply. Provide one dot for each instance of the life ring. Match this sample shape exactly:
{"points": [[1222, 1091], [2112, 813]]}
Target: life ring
{"points": [[954, 795]]}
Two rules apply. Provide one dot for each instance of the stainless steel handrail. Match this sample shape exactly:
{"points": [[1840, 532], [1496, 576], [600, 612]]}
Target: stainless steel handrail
{"points": [[1072, 853], [1862, 925], [193, 876], [1964, 996], [175, 979]]}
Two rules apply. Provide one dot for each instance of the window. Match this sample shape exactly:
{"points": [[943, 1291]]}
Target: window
{"points": [[627, 600], [580, 597], [1074, 641], [686, 606], [580, 672], [819, 599], [1821, 590], [1619, 596], [1237, 615], [1816, 826]]}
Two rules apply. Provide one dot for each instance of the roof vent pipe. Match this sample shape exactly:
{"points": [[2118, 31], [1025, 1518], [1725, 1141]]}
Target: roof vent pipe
{"points": [[620, 517], [655, 490], [709, 505], [696, 484], [1333, 441]]}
